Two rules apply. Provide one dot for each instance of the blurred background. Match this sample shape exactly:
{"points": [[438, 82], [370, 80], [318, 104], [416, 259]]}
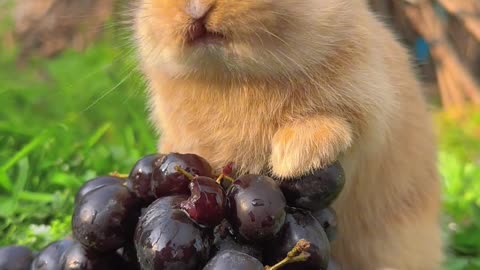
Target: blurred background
{"points": [[72, 107]]}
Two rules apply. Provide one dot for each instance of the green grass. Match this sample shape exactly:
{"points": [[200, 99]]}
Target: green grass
{"points": [[63, 122], [67, 120]]}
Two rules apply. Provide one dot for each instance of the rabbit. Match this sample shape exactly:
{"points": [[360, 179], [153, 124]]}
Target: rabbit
{"points": [[290, 86]]}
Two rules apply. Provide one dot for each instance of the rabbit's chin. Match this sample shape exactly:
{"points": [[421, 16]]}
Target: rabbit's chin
{"points": [[235, 61]]}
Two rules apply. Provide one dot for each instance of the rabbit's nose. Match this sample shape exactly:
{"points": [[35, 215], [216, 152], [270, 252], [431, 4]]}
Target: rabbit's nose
{"points": [[198, 9]]}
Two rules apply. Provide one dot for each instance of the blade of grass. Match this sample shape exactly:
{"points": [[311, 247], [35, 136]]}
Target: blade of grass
{"points": [[143, 128], [23, 168], [7, 128], [5, 182], [25, 151], [95, 138], [7, 206], [35, 197]]}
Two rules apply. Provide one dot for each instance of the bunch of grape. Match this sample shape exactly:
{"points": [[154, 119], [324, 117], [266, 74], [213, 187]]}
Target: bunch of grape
{"points": [[172, 212]]}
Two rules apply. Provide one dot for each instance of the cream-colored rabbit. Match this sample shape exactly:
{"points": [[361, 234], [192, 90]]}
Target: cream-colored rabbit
{"points": [[290, 86]]}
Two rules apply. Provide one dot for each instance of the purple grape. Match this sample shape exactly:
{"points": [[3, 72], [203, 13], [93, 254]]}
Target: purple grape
{"points": [[166, 238], [140, 178], [77, 257], [300, 225], [317, 190], [95, 184], [206, 204], [256, 207], [50, 257], [224, 239], [105, 218], [15, 258], [328, 219], [233, 260], [166, 180]]}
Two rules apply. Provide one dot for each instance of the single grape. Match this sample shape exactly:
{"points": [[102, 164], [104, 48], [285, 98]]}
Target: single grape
{"points": [[95, 184], [140, 178], [166, 180], [15, 258], [328, 219], [206, 204], [105, 218], [166, 238], [300, 225], [225, 240], [50, 257], [233, 260], [77, 257], [256, 207], [317, 190]]}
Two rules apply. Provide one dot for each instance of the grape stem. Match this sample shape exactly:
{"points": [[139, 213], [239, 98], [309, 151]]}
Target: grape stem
{"points": [[185, 173], [224, 177], [226, 174], [220, 178], [119, 175], [297, 254]]}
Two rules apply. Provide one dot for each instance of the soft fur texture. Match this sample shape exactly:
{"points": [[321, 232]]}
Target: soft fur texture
{"points": [[297, 85]]}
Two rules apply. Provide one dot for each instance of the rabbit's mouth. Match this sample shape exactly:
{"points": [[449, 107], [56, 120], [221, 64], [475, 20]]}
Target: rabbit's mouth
{"points": [[199, 35]]}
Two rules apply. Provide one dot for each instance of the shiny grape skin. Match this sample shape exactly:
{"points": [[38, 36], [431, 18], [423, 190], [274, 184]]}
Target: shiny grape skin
{"points": [[97, 183], [105, 218], [77, 257], [50, 257], [256, 207], [300, 224], [206, 204], [15, 258], [233, 260], [224, 239], [140, 177], [316, 190], [167, 181], [328, 219], [166, 238]]}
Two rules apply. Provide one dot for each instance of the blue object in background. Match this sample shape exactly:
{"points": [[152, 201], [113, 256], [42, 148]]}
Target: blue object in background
{"points": [[422, 50]]}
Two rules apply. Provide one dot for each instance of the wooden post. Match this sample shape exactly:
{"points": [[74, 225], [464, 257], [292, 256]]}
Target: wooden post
{"points": [[453, 77], [468, 11]]}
